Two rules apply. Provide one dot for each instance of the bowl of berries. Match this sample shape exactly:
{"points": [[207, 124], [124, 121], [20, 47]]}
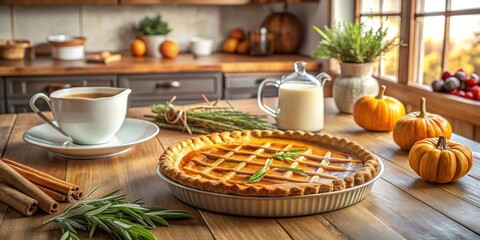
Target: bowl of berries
{"points": [[459, 83]]}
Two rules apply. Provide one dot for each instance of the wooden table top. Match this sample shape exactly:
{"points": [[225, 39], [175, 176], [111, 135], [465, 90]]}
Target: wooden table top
{"points": [[218, 62], [401, 205]]}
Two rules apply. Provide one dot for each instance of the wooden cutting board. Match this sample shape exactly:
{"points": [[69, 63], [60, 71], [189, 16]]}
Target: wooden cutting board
{"points": [[105, 58]]}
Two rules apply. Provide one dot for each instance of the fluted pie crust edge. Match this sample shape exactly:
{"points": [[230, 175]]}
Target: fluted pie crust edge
{"points": [[173, 155]]}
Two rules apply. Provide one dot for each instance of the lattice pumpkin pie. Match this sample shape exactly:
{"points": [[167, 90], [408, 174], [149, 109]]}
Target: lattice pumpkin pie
{"points": [[268, 163]]}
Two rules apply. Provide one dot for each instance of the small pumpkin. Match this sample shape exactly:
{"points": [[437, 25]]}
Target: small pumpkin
{"points": [[417, 126], [439, 160], [378, 113]]}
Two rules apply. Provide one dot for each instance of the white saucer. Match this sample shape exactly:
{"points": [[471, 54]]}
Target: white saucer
{"points": [[133, 131]]}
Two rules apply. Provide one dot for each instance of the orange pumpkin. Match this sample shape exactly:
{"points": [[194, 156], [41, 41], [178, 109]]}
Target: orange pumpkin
{"points": [[439, 160], [378, 113], [417, 126]]}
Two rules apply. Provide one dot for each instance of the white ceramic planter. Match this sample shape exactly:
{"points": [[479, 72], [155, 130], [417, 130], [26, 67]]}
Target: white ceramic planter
{"points": [[153, 43], [354, 82]]}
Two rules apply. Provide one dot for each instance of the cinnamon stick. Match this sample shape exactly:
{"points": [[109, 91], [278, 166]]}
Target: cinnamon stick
{"points": [[14, 179], [56, 195], [44, 181], [17, 200], [37, 172], [77, 195]]}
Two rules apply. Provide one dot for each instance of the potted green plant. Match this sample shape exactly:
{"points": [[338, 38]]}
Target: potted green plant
{"points": [[153, 32], [357, 47]]}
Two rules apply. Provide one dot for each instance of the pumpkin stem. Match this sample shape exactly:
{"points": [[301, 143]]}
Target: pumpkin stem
{"points": [[442, 143], [381, 92], [423, 108]]}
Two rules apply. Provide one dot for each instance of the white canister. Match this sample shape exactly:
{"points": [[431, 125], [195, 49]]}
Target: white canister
{"points": [[68, 53], [67, 47]]}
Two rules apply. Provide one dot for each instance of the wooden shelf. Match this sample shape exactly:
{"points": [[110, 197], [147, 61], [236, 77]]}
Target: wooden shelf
{"points": [[59, 2], [115, 2]]}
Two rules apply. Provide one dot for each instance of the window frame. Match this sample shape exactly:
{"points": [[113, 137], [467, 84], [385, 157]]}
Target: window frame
{"points": [[462, 113]]}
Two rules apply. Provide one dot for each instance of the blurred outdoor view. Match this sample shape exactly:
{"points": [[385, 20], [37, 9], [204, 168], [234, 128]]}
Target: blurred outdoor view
{"points": [[463, 47]]}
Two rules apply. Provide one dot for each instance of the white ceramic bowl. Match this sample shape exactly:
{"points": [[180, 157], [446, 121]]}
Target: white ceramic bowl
{"points": [[66, 47], [201, 46]]}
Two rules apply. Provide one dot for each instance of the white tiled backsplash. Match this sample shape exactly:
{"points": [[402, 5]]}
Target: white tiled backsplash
{"points": [[112, 28]]}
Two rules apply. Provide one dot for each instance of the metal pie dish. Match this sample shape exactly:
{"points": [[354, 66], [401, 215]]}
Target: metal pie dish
{"points": [[275, 200], [271, 206]]}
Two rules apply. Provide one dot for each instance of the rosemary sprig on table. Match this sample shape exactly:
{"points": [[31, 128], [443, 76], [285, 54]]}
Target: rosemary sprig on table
{"points": [[287, 156], [111, 213], [206, 118], [258, 175]]}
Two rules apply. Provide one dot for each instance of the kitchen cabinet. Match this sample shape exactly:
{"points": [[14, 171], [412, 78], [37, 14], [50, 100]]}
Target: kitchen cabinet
{"points": [[148, 89], [245, 85], [18, 90], [2, 101]]}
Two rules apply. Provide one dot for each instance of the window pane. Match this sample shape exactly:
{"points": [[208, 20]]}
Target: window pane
{"points": [[464, 46], [425, 6], [428, 48], [389, 62], [387, 66], [465, 4], [370, 6], [391, 6]]}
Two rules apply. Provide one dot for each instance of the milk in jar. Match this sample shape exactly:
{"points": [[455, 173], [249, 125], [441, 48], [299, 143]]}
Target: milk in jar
{"points": [[300, 107]]}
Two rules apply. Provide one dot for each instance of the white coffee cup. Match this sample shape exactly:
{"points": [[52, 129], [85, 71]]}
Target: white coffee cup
{"points": [[88, 115]]}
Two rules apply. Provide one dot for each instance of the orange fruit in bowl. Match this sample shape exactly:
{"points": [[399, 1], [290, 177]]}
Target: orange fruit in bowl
{"points": [[237, 33], [230, 46], [243, 47], [138, 48], [169, 49]]}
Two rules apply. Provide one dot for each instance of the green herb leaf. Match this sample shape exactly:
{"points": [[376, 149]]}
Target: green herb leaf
{"points": [[258, 175], [297, 170], [120, 219], [354, 42], [288, 156]]}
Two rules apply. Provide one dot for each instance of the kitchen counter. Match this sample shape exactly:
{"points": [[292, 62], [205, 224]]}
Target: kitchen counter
{"points": [[400, 206], [219, 62]]}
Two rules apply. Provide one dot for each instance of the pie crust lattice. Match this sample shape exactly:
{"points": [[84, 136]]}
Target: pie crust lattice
{"points": [[224, 162]]}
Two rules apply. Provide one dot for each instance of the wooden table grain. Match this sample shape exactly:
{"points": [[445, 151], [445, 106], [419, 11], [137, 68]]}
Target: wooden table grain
{"points": [[400, 206]]}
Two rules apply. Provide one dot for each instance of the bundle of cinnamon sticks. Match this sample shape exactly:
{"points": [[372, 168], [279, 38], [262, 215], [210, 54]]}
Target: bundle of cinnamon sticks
{"points": [[27, 189]]}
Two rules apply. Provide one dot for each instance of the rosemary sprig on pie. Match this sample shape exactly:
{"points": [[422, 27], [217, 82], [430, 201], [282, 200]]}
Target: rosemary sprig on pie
{"points": [[288, 156], [297, 170], [258, 175], [111, 213]]}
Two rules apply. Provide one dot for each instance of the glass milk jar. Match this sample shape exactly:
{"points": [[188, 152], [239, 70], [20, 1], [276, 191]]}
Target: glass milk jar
{"points": [[300, 100]]}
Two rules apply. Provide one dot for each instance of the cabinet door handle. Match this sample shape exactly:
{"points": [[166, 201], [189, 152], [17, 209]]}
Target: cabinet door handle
{"points": [[173, 84]]}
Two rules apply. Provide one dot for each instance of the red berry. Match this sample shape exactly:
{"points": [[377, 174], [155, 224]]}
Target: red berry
{"points": [[461, 93], [456, 93], [471, 81], [475, 90], [446, 74], [468, 95], [478, 97]]}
